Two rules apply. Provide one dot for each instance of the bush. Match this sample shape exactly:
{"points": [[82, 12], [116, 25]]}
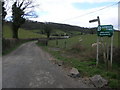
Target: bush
{"points": [[113, 83], [111, 75], [116, 55], [77, 48]]}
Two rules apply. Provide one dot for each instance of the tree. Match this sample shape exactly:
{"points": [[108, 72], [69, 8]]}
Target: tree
{"points": [[48, 29], [19, 13], [17, 18], [4, 13]]}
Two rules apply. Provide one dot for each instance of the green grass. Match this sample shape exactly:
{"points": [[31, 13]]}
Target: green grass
{"points": [[7, 33], [35, 31], [87, 41], [113, 83], [57, 31], [88, 68], [29, 34], [85, 64], [70, 33]]}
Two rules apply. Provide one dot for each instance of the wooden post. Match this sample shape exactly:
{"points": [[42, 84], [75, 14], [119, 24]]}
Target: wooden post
{"points": [[65, 43], [98, 20], [97, 57], [111, 51], [56, 42], [108, 50], [107, 54]]}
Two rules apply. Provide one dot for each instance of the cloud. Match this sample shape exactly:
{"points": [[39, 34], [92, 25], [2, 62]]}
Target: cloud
{"points": [[94, 1], [63, 11]]}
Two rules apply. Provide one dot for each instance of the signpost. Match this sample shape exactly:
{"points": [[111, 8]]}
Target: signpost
{"points": [[97, 57], [102, 31], [105, 30]]}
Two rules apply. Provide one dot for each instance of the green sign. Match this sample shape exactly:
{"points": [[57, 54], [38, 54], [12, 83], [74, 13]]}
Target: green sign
{"points": [[105, 30]]}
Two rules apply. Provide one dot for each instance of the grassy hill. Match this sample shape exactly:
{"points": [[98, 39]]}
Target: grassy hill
{"points": [[7, 33], [71, 30], [36, 33]]}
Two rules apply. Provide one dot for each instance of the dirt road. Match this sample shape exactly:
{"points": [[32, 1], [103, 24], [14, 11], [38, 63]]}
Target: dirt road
{"points": [[29, 67]]}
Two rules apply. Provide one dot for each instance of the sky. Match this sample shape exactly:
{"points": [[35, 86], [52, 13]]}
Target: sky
{"points": [[75, 12]]}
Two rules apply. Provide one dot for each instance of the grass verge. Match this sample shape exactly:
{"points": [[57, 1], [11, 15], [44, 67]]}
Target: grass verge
{"points": [[85, 64]]}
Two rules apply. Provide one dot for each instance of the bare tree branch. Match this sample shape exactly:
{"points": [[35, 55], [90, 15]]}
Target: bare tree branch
{"points": [[21, 4], [33, 6], [27, 4]]}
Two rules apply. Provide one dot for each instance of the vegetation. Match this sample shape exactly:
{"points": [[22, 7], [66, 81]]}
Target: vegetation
{"points": [[17, 18], [20, 10], [48, 30], [68, 29], [22, 34], [87, 41], [4, 13], [57, 29], [81, 55]]}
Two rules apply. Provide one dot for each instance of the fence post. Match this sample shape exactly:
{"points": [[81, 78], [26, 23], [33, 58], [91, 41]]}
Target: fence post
{"points": [[65, 43]]}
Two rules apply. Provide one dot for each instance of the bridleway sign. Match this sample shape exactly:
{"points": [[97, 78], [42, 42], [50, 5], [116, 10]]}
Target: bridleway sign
{"points": [[102, 31], [105, 30]]}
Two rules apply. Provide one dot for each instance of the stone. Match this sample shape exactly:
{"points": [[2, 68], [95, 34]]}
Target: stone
{"points": [[60, 63], [87, 82], [98, 81], [74, 73]]}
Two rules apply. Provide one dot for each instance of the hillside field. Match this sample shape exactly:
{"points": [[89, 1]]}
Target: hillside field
{"points": [[87, 41], [7, 33]]}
